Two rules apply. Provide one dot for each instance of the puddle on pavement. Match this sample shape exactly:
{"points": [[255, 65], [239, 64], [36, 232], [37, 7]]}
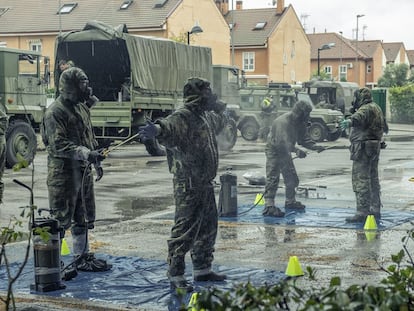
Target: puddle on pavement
{"points": [[239, 167], [328, 172], [131, 208], [400, 138]]}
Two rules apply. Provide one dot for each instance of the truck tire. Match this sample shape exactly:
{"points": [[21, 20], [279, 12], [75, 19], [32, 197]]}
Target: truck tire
{"points": [[154, 148], [227, 138], [317, 131], [249, 130], [20, 139]]}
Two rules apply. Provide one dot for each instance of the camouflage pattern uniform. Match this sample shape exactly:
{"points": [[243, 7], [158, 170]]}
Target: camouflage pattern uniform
{"points": [[367, 128], [287, 130], [4, 120], [68, 136], [189, 135]]}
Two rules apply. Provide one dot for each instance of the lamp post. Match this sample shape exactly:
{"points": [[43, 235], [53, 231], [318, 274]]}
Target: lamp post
{"points": [[340, 57], [356, 48], [323, 47], [195, 29]]}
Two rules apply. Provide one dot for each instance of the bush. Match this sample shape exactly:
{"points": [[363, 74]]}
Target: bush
{"points": [[402, 103]]}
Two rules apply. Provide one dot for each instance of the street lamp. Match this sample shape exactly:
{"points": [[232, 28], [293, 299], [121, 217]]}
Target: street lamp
{"points": [[195, 29], [323, 47], [356, 48]]}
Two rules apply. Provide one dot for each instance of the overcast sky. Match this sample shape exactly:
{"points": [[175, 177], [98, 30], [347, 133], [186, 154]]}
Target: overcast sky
{"points": [[387, 20]]}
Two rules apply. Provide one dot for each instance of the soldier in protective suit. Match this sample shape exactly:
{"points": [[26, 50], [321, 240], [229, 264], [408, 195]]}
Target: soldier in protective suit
{"points": [[267, 116], [287, 130], [70, 142], [367, 127], [189, 135]]}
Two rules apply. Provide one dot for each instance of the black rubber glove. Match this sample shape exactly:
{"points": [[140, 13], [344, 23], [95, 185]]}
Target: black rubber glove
{"points": [[99, 172], [147, 132], [300, 153], [96, 156]]}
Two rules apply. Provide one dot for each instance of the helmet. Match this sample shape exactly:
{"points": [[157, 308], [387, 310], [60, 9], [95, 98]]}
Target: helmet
{"points": [[302, 109], [365, 96], [195, 87], [69, 84]]}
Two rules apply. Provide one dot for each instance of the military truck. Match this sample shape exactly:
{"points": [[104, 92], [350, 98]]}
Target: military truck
{"points": [[23, 98], [136, 78], [324, 122]]}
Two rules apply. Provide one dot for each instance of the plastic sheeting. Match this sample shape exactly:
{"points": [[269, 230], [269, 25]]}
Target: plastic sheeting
{"points": [[136, 282], [318, 217]]}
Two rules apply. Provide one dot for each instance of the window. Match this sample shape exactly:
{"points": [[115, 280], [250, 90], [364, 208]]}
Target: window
{"points": [[369, 68], [328, 71], [3, 10], [343, 72], [259, 26], [67, 8], [160, 3], [125, 5], [35, 45], [248, 61]]}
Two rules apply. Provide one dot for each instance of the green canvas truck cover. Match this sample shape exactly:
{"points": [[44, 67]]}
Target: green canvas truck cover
{"points": [[155, 64]]}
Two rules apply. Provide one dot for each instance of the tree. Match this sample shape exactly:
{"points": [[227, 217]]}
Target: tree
{"points": [[394, 75]]}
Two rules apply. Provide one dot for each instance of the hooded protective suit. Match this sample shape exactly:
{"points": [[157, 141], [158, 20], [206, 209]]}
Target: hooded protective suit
{"points": [[287, 130], [367, 128], [69, 139], [189, 135]]}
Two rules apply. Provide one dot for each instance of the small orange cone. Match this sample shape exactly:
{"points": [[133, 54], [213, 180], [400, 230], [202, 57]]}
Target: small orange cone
{"points": [[294, 268], [370, 223], [259, 199], [64, 249]]}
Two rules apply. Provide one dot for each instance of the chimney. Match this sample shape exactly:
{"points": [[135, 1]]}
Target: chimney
{"points": [[239, 5], [280, 6]]}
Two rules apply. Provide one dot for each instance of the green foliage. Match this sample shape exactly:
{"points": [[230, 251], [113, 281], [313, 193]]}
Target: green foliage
{"points": [[402, 103], [395, 292], [394, 75], [322, 75]]}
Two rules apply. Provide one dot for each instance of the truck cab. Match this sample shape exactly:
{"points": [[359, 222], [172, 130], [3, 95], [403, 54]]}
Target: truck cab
{"points": [[23, 98]]}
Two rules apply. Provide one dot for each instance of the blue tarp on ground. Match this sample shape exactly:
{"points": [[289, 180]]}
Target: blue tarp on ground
{"points": [[318, 217], [135, 282]]}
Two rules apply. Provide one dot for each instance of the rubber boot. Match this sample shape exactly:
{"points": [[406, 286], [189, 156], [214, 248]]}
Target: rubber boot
{"points": [[210, 277]]}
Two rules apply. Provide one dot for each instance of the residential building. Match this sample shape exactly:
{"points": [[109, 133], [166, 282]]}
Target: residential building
{"points": [[269, 44]]}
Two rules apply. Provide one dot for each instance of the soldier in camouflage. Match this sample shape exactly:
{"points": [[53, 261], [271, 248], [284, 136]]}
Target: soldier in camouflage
{"points": [[70, 142], [4, 121], [287, 130], [189, 135], [267, 116], [367, 127]]}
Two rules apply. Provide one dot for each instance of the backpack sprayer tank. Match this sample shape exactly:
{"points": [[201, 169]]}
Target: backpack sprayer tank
{"points": [[228, 195], [46, 251], [47, 256]]}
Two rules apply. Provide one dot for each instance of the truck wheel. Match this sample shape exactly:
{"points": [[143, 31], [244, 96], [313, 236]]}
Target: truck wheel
{"points": [[227, 138], [20, 139], [317, 131], [249, 130], [154, 148], [334, 136]]}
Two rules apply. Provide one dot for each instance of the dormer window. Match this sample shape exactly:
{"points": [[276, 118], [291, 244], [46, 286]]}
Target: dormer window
{"points": [[260, 26], [3, 10], [125, 5], [67, 8], [160, 3]]}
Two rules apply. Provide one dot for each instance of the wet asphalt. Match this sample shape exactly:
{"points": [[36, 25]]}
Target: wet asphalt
{"points": [[135, 204]]}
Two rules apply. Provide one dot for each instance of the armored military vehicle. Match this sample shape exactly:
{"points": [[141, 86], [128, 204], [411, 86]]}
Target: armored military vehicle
{"points": [[23, 98], [324, 122], [338, 95], [136, 78]]}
